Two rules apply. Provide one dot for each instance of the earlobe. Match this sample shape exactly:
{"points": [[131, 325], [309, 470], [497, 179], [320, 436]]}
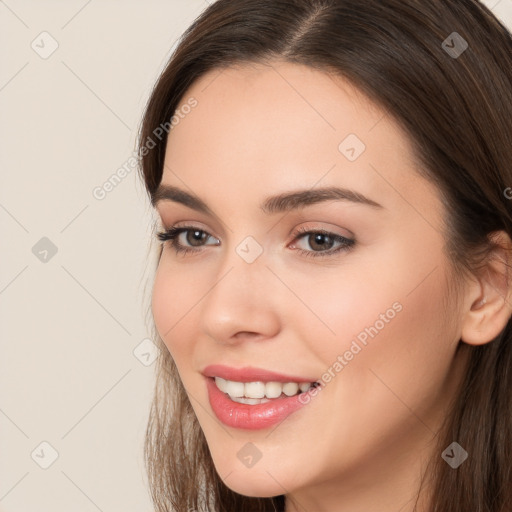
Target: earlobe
{"points": [[490, 296]]}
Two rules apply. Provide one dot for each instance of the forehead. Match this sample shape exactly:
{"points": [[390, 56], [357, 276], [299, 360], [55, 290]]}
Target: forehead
{"points": [[276, 126], [293, 101]]}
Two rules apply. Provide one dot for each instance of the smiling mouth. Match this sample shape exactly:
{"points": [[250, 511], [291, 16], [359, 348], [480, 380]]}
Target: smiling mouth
{"points": [[258, 392], [255, 398]]}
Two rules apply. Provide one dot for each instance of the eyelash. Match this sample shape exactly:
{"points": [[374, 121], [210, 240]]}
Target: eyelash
{"points": [[173, 233]]}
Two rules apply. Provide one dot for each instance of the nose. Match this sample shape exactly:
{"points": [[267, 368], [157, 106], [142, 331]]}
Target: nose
{"points": [[242, 303]]}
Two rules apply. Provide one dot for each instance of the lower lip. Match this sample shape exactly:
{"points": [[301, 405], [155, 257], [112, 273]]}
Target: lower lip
{"points": [[251, 417]]}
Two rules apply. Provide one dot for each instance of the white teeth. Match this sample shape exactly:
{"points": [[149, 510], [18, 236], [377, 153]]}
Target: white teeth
{"points": [[254, 389], [235, 389], [304, 386], [273, 389], [221, 383], [258, 392], [290, 388]]}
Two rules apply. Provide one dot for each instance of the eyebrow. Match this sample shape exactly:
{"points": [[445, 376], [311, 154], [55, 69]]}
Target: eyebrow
{"points": [[276, 204]]}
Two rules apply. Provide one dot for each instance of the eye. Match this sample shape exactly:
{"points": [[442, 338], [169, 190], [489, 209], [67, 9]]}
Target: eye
{"points": [[322, 243], [193, 237], [190, 239]]}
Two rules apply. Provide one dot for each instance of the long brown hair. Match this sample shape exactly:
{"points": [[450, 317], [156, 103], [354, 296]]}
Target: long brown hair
{"points": [[457, 109]]}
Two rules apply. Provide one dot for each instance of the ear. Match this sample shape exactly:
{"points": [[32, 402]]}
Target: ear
{"points": [[489, 304]]}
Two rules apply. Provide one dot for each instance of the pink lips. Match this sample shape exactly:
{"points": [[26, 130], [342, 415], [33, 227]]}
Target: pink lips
{"points": [[245, 416], [250, 374]]}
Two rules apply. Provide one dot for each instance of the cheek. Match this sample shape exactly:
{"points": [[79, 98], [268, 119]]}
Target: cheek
{"points": [[386, 313], [406, 360], [407, 366], [172, 302], [339, 307]]}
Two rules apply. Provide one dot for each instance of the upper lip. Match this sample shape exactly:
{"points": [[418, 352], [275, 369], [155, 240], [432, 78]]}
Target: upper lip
{"points": [[250, 374]]}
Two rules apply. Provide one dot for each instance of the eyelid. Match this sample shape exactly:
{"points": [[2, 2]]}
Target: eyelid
{"points": [[323, 227], [176, 231], [294, 232], [177, 218], [190, 225]]}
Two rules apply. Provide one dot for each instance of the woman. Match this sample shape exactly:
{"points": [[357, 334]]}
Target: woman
{"points": [[332, 297]]}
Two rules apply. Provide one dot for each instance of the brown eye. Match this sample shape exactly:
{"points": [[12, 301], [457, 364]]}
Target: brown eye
{"points": [[187, 239], [196, 237], [320, 241]]}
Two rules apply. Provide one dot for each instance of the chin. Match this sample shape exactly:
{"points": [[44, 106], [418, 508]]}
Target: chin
{"points": [[261, 484]]}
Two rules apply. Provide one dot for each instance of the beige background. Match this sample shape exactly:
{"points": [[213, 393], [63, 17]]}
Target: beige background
{"points": [[75, 371]]}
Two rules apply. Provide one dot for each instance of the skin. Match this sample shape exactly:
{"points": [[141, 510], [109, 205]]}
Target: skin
{"points": [[362, 443]]}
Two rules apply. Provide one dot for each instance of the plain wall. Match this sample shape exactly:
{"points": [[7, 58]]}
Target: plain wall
{"points": [[74, 369]]}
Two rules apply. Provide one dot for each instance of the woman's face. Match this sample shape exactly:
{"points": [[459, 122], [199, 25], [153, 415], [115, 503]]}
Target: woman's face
{"points": [[316, 253]]}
